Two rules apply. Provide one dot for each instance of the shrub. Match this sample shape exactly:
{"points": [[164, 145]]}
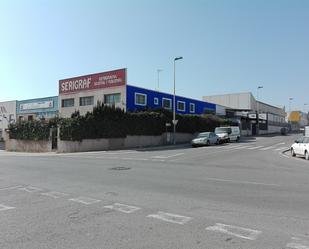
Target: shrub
{"points": [[29, 130]]}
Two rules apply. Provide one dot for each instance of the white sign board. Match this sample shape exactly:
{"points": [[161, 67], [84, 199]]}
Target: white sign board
{"points": [[36, 105], [252, 116], [263, 116]]}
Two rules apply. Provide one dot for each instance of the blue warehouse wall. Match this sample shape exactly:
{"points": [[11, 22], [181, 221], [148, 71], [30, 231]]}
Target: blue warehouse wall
{"points": [[200, 106], [40, 112]]}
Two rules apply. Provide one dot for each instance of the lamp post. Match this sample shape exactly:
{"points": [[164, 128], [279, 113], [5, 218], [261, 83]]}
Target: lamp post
{"points": [[158, 77], [257, 110], [305, 109], [174, 100], [290, 100]]}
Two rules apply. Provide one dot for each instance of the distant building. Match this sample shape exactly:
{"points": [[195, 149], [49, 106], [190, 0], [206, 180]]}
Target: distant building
{"points": [[297, 119], [243, 108], [7, 115], [39, 108]]}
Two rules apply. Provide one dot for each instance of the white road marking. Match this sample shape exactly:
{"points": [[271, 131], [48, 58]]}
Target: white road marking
{"points": [[241, 147], [55, 194], [284, 155], [172, 218], [123, 208], [30, 189], [255, 148], [135, 159], [281, 148], [279, 144], [168, 156], [298, 243], [85, 200], [240, 232], [4, 207], [267, 148], [9, 188], [240, 182]]}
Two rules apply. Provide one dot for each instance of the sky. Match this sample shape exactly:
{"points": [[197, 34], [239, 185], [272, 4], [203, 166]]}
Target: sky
{"points": [[227, 46]]}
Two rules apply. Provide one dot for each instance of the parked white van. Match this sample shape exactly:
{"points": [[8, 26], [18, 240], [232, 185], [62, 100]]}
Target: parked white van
{"points": [[228, 133]]}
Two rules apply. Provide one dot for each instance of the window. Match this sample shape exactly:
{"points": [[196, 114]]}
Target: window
{"points": [[83, 101], [156, 101], [140, 99], [67, 102], [30, 118], [192, 107], [167, 103], [181, 106], [111, 99]]}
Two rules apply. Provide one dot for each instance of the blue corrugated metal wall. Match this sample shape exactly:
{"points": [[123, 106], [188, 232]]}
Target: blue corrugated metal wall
{"points": [[200, 106]]}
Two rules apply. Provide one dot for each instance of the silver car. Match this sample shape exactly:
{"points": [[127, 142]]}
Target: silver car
{"points": [[205, 138]]}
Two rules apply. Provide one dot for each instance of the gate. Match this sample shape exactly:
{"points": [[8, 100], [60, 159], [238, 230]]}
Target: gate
{"points": [[54, 138]]}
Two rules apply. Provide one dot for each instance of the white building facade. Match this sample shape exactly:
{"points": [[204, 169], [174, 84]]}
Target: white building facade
{"points": [[246, 107], [84, 92], [7, 116]]}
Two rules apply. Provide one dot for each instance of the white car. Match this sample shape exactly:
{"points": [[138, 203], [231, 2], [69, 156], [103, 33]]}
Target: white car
{"points": [[205, 138], [301, 147], [227, 134]]}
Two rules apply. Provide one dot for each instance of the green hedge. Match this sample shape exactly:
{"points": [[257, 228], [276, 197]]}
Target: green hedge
{"points": [[111, 122], [29, 130]]}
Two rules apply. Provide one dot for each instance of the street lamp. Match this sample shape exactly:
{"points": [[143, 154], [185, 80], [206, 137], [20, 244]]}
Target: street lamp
{"points": [[290, 100], [174, 100], [257, 110], [305, 107], [158, 74]]}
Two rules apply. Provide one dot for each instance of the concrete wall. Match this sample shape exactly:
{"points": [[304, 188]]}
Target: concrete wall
{"points": [[274, 129], [119, 143], [28, 145]]}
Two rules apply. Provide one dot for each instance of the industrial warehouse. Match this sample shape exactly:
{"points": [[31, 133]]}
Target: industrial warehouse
{"points": [[82, 93]]}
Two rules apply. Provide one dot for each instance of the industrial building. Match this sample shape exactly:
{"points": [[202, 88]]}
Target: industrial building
{"points": [[254, 117], [297, 120], [7, 115], [40, 108], [84, 92]]}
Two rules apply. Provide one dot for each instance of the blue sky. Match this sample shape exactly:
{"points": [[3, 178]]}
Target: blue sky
{"points": [[227, 45]]}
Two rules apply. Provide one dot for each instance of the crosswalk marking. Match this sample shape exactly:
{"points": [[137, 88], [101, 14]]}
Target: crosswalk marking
{"points": [[123, 208], [85, 200], [254, 148], [55, 194], [240, 232], [298, 243], [4, 207], [10, 188], [30, 189], [172, 218], [241, 147], [282, 148], [267, 148]]}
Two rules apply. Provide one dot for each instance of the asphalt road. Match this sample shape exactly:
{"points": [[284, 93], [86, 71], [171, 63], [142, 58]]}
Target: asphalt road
{"points": [[238, 195]]}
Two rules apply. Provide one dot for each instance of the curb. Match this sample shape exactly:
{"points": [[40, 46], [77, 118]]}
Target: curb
{"points": [[166, 147]]}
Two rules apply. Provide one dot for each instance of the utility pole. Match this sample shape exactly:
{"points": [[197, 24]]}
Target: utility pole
{"points": [[174, 101]]}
